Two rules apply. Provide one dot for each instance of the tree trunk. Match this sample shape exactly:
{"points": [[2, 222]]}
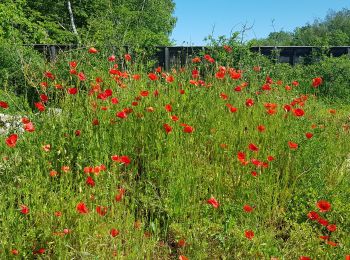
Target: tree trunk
{"points": [[72, 21]]}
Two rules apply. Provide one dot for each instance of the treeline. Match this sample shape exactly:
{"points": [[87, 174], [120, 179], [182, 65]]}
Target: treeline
{"points": [[333, 30], [139, 23]]}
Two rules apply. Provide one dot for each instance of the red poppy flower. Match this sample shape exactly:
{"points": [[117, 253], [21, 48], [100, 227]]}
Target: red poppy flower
{"points": [[331, 243], [40, 106], [293, 145], [44, 84], [241, 156], [144, 93], [111, 58], [92, 50], [95, 122], [167, 128], [196, 60], [77, 132], [169, 79], [90, 181], [127, 57], [11, 140], [324, 237], [316, 82], [174, 118], [114, 72], [323, 222], [223, 96], [212, 201], [181, 242], [247, 208], [287, 108], [81, 76], [323, 205], [152, 76], [168, 107], [182, 257], [309, 135], [304, 258], [82, 208], [49, 75], [188, 129], [270, 158], [313, 215], [249, 234], [24, 210], [44, 98], [29, 127], [253, 147], [3, 104], [207, 56], [195, 74], [261, 128], [122, 115], [121, 159], [53, 173], [114, 232], [332, 227], [40, 251], [233, 109], [72, 91], [73, 64], [65, 168], [238, 89], [298, 112], [120, 195], [211, 60], [136, 77], [220, 75], [266, 87], [14, 252], [249, 102], [25, 120], [101, 210]]}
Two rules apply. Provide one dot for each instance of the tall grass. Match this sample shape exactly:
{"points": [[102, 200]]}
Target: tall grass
{"points": [[160, 199]]}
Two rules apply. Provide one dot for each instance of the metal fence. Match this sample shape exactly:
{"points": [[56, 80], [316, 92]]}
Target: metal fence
{"points": [[181, 55]]}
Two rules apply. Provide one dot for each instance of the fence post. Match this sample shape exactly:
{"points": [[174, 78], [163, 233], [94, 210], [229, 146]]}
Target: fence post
{"points": [[293, 58], [349, 51], [166, 59], [52, 53]]}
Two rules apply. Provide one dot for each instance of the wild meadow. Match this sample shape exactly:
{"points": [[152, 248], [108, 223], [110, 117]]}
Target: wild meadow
{"points": [[213, 160]]}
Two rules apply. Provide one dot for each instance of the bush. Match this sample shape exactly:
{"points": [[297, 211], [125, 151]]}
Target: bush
{"points": [[15, 61], [335, 75]]}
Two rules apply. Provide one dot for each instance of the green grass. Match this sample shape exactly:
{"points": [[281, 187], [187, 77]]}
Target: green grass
{"points": [[171, 176]]}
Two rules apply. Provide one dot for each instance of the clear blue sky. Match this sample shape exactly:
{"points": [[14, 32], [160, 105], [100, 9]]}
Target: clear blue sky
{"points": [[196, 19]]}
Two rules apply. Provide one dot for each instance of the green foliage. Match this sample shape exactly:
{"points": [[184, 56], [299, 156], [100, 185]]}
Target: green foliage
{"points": [[138, 23], [280, 38], [333, 30], [336, 79], [16, 61]]}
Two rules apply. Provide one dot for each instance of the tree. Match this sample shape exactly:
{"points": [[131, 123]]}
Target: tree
{"points": [[333, 30], [106, 22]]}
